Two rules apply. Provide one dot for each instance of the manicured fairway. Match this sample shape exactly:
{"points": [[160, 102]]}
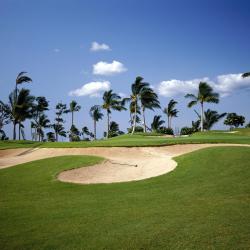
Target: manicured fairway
{"points": [[203, 204], [242, 136]]}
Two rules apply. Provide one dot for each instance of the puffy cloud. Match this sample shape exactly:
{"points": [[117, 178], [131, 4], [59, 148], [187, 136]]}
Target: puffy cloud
{"points": [[108, 69], [227, 84], [92, 89], [95, 46], [224, 84]]}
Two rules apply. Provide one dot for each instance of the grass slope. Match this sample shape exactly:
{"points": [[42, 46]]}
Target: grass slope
{"points": [[140, 140], [200, 205]]}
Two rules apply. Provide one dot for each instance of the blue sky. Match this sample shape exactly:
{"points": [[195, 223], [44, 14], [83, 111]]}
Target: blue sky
{"points": [[169, 43]]}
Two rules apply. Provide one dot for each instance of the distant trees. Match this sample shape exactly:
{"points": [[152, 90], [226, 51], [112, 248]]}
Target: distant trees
{"points": [[234, 120], [111, 101], [96, 115], [171, 111], [205, 94]]}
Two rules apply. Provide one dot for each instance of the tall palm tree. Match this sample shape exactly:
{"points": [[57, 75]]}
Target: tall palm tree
{"points": [[111, 101], [96, 115], [19, 107], [21, 78], [170, 111], [156, 125], [58, 125], [149, 100], [136, 89], [73, 107], [205, 94], [247, 74]]}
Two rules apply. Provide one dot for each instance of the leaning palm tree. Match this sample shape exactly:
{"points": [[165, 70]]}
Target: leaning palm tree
{"points": [[111, 101], [247, 74], [205, 94], [156, 125], [170, 111], [73, 107], [21, 78], [149, 100], [96, 115]]}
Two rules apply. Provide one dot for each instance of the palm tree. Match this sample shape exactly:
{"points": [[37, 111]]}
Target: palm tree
{"points": [[136, 89], [247, 74], [85, 131], [73, 107], [210, 118], [39, 124], [149, 100], [21, 78], [40, 106], [58, 125], [4, 116], [156, 125], [96, 115], [205, 94], [170, 111], [111, 101], [19, 108], [59, 130]]}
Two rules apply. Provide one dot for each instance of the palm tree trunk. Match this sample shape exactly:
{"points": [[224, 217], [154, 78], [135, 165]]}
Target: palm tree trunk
{"points": [[14, 130], [95, 129], [19, 131], [169, 121], [135, 113], [72, 119], [201, 116], [144, 120], [107, 125]]}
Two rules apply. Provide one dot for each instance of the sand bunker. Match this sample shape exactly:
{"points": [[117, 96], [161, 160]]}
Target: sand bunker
{"points": [[120, 165]]}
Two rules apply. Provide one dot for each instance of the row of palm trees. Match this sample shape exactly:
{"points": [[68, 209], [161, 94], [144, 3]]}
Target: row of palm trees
{"points": [[22, 105]]}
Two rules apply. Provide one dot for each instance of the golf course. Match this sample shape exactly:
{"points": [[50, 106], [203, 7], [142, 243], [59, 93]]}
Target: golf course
{"points": [[124, 125], [200, 202]]}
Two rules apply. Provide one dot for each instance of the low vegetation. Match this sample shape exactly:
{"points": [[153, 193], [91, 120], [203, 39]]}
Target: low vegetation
{"points": [[198, 206]]}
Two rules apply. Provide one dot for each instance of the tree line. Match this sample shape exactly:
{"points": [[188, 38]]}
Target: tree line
{"points": [[22, 105]]}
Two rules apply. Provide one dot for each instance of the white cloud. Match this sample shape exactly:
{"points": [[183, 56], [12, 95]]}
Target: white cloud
{"points": [[224, 84], [56, 50], [108, 69], [92, 89], [95, 46]]}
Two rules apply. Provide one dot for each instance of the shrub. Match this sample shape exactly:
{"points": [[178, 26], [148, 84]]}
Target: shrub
{"points": [[166, 131], [186, 131], [138, 129]]}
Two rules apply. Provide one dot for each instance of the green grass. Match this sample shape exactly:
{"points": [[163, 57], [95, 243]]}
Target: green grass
{"points": [[140, 140], [200, 205]]}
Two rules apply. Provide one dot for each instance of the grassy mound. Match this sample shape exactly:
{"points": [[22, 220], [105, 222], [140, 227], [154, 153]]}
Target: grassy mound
{"points": [[241, 136], [200, 205]]}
